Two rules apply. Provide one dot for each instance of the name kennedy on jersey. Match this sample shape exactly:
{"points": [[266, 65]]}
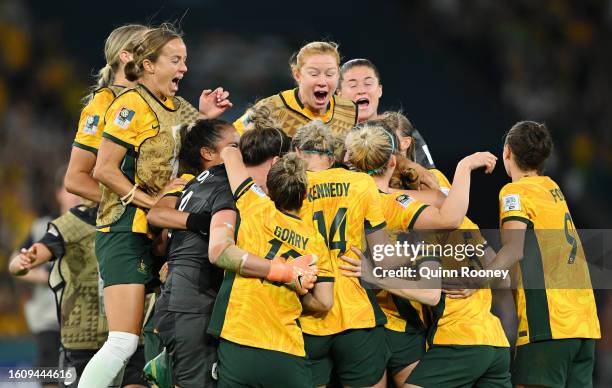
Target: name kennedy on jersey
{"points": [[327, 190]]}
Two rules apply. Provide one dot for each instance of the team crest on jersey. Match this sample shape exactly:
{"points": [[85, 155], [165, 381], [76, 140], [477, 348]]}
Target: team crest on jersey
{"points": [[124, 117], [91, 124], [511, 202], [257, 190], [142, 267], [404, 200]]}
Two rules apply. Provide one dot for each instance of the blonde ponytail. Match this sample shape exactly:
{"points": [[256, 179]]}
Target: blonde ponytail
{"points": [[120, 39], [105, 77]]}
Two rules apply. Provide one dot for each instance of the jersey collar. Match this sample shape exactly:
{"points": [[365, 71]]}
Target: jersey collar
{"points": [[292, 101]]}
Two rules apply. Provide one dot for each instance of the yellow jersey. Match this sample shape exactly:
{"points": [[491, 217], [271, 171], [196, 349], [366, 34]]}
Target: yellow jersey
{"points": [[91, 122], [466, 321], [554, 298], [129, 122], [343, 206], [255, 312], [150, 130], [290, 114]]}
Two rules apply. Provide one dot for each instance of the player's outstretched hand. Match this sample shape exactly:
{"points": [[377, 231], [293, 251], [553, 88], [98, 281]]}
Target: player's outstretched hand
{"points": [[172, 185], [480, 159], [213, 103]]}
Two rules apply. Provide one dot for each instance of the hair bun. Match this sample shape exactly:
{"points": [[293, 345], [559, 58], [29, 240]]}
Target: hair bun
{"points": [[292, 163]]}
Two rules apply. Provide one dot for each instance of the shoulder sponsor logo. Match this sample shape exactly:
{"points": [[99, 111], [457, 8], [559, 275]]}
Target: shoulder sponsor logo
{"points": [[124, 117], [511, 202], [404, 200], [91, 124]]}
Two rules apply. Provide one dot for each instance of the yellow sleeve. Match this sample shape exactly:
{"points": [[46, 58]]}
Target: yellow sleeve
{"points": [[91, 122], [408, 208], [241, 123], [444, 183], [125, 122], [251, 200], [514, 205], [374, 216]]}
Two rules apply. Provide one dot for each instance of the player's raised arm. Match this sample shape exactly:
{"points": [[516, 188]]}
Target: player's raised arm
{"points": [[234, 165], [450, 215], [29, 258]]}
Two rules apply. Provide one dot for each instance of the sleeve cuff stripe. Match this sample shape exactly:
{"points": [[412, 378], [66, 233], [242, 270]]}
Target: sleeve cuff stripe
{"points": [[372, 229], [243, 187], [85, 147], [416, 215], [518, 218], [118, 141]]}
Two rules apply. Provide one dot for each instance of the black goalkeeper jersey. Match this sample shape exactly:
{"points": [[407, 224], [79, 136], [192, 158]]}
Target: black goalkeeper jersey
{"points": [[192, 281]]}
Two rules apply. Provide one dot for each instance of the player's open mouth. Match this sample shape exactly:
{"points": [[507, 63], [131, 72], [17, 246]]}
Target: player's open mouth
{"points": [[175, 83], [363, 103], [320, 97]]}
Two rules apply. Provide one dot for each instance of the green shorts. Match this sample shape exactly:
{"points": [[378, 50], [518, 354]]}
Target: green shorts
{"points": [[555, 363], [124, 258], [463, 366], [358, 356], [405, 348], [244, 366]]}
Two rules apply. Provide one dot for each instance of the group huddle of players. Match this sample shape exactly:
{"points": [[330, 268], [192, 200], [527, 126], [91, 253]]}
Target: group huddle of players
{"points": [[250, 268]]}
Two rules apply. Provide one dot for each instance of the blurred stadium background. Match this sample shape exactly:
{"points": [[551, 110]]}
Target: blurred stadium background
{"points": [[463, 72]]}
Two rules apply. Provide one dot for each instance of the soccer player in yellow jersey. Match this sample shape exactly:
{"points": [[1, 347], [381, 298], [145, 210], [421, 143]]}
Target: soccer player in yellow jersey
{"points": [[371, 147], [134, 172], [558, 321], [111, 81], [261, 341], [202, 241], [316, 71], [344, 207]]}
